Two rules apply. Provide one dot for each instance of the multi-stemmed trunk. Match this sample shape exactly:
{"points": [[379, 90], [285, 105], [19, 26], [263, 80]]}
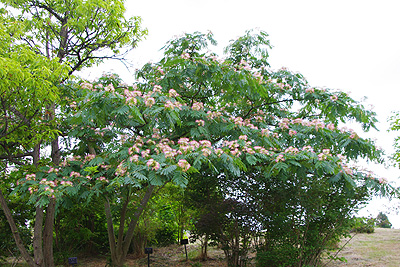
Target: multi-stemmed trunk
{"points": [[42, 240], [119, 247]]}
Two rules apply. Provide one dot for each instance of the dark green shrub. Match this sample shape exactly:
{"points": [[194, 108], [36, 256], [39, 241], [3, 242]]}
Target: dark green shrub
{"points": [[280, 256], [382, 221], [165, 236]]}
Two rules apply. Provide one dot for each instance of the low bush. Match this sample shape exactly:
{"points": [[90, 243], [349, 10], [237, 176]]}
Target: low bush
{"points": [[363, 225]]}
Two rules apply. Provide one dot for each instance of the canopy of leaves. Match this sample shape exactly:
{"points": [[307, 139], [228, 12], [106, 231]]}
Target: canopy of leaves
{"points": [[193, 109], [27, 84], [79, 33]]}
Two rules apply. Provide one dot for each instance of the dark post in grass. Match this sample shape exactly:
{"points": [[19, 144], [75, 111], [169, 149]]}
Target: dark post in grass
{"points": [[73, 261], [185, 242], [148, 251]]}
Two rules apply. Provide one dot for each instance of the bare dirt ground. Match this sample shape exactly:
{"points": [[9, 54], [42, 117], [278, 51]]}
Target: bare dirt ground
{"points": [[173, 255], [379, 249]]}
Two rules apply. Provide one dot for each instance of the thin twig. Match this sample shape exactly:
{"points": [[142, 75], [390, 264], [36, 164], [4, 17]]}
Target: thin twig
{"points": [[337, 252]]}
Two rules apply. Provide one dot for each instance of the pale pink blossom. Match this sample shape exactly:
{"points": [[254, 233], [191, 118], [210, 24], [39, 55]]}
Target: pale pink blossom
{"points": [[292, 132], [121, 169], [194, 144], [280, 158], [297, 121], [184, 165], [219, 151], [87, 85], [134, 158], [160, 70], [153, 164], [150, 102], [322, 156], [133, 149], [172, 93], [243, 137], [265, 132], [235, 152], [331, 126], [30, 177], [145, 153], [197, 106], [200, 123], [109, 88], [89, 157], [185, 56], [205, 143], [206, 151], [382, 180], [157, 89], [183, 141], [292, 150], [75, 174]]}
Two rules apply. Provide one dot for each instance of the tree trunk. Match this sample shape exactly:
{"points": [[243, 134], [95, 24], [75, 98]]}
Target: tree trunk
{"points": [[37, 236], [37, 241], [110, 230], [48, 234], [15, 232], [119, 249]]}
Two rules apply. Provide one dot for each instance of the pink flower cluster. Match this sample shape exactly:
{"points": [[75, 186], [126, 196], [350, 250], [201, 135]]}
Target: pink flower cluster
{"points": [[197, 106], [172, 93], [30, 177], [151, 163], [185, 55], [280, 158], [51, 169], [213, 114], [324, 155], [244, 65], [67, 183], [240, 122], [163, 147], [184, 165], [121, 169], [89, 157], [201, 123]]}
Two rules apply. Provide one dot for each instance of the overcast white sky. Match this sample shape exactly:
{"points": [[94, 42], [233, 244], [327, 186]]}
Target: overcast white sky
{"points": [[352, 45]]}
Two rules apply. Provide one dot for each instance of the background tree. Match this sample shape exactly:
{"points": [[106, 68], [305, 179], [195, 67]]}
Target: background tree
{"points": [[382, 221]]}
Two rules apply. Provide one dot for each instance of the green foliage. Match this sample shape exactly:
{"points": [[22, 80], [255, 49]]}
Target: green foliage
{"points": [[382, 221], [73, 30], [257, 149], [80, 229], [27, 85], [363, 225], [42, 44]]}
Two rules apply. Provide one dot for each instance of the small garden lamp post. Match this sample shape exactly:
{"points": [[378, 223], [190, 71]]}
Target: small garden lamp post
{"points": [[185, 242], [148, 251], [73, 261]]}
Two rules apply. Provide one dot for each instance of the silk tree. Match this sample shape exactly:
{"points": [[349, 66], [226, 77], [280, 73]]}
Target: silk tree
{"points": [[193, 111]]}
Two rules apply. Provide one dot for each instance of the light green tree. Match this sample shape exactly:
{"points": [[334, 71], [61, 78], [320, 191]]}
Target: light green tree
{"points": [[77, 34], [28, 86]]}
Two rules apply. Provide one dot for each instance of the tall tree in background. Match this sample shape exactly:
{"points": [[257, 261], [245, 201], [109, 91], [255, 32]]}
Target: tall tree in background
{"points": [[77, 34], [382, 221]]}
